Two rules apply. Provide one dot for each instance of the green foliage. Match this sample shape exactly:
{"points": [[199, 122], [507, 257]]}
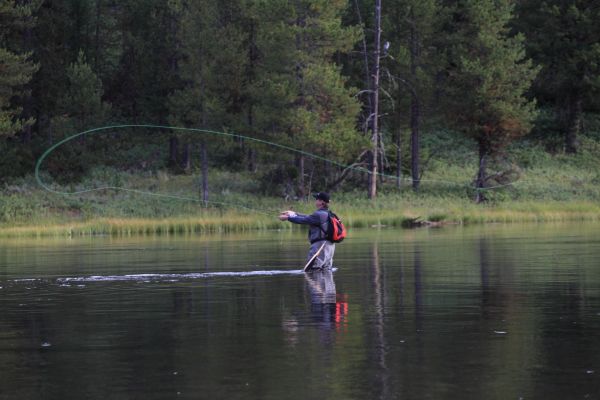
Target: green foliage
{"points": [[17, 71], [305, 102], [191, 105], [591, 125], [81, 105], [490, 75], [563, 37], [279, 181], [145, 74], [322, 123], [16, 160], [14, 208], [415, 56], [559, 187], [294, 73], [449, 146], [16, 67]]}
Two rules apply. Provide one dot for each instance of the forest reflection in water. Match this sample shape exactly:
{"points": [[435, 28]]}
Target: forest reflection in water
{"points": [[495, 312]]}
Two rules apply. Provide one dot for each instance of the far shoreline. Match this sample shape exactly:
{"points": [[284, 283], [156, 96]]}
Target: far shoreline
{"points": [[212, 222]]}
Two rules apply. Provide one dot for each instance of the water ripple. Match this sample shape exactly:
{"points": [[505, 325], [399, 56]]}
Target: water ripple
{"points": [[161, 277]]}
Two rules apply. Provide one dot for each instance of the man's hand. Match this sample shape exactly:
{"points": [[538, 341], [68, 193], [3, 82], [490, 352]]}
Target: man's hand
{"points": [[284, 215]]}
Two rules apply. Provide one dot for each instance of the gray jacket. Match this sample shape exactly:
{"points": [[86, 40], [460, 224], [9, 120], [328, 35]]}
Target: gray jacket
{"points": [[318, 222]]}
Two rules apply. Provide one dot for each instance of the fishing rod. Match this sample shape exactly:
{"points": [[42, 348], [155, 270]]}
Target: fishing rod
{"points": [[203, 131], [142, 192]]}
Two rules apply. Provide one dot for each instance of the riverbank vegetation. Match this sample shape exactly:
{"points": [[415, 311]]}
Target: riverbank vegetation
{"points": [[550, 187], [412, 112]]}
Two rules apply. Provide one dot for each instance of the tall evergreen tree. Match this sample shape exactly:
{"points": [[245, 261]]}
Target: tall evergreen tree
{"points": [[563, 36], [104, 51], [64, 30], [488, 77], [16, 66], [305, 101], [145, 77], [414, 61], [189, 105], [55, 53], [81, 106], [209, 65]]}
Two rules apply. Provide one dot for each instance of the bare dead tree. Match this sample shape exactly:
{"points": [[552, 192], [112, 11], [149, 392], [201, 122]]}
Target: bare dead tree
{"points": [[375, 114]]}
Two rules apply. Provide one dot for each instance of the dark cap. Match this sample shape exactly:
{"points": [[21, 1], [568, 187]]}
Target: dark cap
{"points": [[322, 196]]}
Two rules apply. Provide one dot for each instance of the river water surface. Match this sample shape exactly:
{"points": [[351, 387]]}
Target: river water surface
{"points": [[493, 312]]}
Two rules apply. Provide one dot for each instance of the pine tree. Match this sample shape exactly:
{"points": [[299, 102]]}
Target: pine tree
{"points": [[196, 103], [208, 66], [563, 36], [413, 61], [105, 48], [16, 66], [81, 106], [304, 100], [64, 30], [144, 79], [488, 77]]}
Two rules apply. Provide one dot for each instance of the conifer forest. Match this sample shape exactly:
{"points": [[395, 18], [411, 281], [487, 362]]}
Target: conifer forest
{"points": [[364, 85]]}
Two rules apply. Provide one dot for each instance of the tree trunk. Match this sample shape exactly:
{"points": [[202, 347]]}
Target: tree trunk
{"points": [[27, 129], [575, 116], [186, 163], [415, 109], [370, 176], [28, 100], [97, 39], [301, 185], [398, 160], [367, 69], [381, 163], [45, 127], [173, 149], [204, 175], [251, 160], [414, 142], [375, 114], [326, 171], [480, 181], [250, 75], [251, 153]]}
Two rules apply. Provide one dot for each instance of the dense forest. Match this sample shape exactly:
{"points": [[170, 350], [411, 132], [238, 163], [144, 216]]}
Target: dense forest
{"points": [[360, 83]]}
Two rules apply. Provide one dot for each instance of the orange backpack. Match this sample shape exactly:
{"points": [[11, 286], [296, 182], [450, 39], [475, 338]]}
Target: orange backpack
{"points": [[336, 231]]}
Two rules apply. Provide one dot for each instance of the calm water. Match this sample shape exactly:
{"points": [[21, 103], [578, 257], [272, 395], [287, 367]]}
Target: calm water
{"points": [[496, 312]]}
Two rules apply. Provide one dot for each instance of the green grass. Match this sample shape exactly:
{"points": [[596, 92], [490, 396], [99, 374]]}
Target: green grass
{"points": [[388, 210], [139, 226], [550, 187]]}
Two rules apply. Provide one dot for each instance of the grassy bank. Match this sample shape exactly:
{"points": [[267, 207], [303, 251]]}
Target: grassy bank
{"points": [[386, 211], [544, 187]]}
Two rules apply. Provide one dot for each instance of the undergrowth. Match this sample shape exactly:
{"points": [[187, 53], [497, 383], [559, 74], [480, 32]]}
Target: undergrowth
{"points": [[540, 186]]}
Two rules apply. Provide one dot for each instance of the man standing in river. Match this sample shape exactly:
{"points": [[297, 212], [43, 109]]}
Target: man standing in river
{"points": [[318, 223]]}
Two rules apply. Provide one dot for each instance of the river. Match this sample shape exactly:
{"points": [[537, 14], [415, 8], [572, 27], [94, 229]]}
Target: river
{"points": [[481, 312]]}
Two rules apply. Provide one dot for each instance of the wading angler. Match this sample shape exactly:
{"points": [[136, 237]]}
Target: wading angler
{"points": [[325, 229]]}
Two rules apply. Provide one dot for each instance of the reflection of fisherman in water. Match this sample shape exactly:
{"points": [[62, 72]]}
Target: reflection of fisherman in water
{"points": [[321, 287], [327, 307]]}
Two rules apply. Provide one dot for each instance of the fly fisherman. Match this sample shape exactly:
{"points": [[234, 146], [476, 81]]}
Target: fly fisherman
{"points": [[321, 251]]}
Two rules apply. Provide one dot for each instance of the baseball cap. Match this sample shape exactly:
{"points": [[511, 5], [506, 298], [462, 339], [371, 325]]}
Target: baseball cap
{"points": [[322, 196]]}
